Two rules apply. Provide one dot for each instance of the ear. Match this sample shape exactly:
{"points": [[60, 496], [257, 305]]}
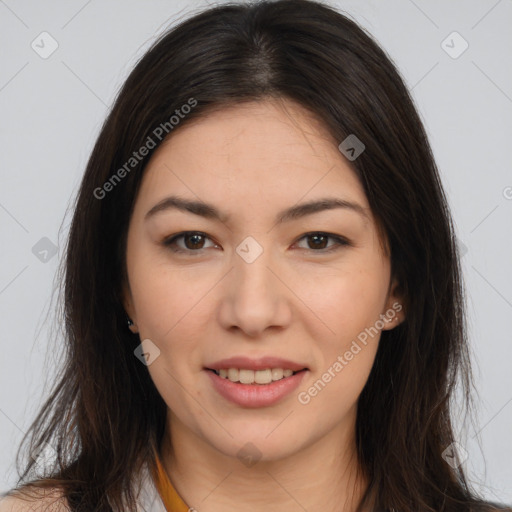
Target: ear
{"points": [[129, 308], [394, 313]]}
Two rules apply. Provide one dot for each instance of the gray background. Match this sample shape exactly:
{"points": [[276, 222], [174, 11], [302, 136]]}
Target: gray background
{"points": [[51, 110]]}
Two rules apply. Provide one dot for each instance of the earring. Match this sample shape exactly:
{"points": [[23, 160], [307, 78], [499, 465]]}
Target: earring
{"points": [[131, 325]]}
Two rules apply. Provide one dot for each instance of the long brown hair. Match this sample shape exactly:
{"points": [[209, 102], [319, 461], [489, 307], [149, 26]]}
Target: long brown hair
{"points": [[104, 416]]}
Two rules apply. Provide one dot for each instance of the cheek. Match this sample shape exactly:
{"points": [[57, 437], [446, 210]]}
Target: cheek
{"points": [[332, 395], [348, 301], [345, 358], [345, 302], [172, 312], [166, 299]]}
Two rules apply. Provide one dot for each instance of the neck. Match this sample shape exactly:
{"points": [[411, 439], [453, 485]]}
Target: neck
{"points": [[322, 477]]}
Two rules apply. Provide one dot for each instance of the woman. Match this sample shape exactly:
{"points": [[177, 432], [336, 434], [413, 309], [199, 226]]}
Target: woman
{"points": [[262, 294]]}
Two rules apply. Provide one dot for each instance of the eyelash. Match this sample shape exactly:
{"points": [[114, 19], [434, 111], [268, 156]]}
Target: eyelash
{"points": [[339, 242]]}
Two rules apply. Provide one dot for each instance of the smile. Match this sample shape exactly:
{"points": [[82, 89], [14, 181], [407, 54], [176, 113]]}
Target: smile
{"points": [[253, 389], [245, 376]]}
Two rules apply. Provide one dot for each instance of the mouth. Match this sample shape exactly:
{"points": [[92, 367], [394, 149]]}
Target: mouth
{"points": [[262, 387], [258, 377]]}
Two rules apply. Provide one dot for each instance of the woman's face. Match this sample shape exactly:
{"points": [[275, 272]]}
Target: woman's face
{"points": [[303, 290]]}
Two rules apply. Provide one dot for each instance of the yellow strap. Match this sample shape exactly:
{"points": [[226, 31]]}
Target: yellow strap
{"points": [[171, 499]]}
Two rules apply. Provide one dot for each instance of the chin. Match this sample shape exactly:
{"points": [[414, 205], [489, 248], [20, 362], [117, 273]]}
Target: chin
{"points": [[257, 445]]}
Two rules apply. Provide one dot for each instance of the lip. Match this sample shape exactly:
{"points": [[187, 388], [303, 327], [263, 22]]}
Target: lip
{"points": [[261, 363], [255, 395]]}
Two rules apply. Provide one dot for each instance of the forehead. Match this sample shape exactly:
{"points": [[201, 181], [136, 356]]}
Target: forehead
{"points": [[249, 158], [270, 130]]}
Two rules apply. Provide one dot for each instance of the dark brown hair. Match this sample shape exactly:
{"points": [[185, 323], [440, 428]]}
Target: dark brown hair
{"points": [[104, 416]]}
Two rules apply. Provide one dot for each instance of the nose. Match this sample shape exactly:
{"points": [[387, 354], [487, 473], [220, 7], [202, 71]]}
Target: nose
{"points": [[255, 297]]}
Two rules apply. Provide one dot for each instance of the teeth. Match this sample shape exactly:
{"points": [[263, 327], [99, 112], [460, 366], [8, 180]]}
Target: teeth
{"points": [[233, 374], [277, 373], [246, 376], [250, 376], [262, 376]]}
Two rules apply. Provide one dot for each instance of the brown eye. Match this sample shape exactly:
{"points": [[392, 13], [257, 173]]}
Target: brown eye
{"points": [[318, 241], [193, 241]]}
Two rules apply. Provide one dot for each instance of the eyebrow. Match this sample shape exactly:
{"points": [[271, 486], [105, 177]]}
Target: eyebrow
{"points": [[209, 211]]}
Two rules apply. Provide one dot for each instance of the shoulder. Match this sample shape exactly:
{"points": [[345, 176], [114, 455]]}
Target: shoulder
{"points": [[39, 500]]}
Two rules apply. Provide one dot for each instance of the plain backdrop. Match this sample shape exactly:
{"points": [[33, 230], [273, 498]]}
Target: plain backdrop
{"points": [[454, 56]]}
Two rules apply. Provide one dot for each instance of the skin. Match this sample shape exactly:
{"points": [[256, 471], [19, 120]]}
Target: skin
{"points": [[294, 301]]}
